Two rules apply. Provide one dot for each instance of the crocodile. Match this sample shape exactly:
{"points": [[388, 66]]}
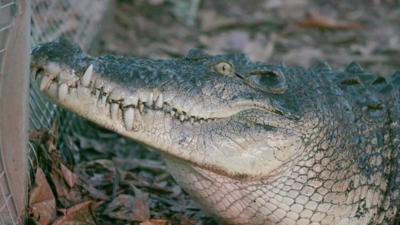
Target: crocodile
{"points": [[252, 143]]}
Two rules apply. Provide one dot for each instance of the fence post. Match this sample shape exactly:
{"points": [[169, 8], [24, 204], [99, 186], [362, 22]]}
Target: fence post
{"points": [[14, 81]]}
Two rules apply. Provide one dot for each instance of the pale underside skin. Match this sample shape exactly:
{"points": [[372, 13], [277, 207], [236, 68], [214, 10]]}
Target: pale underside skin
{"points": [[282, 172]]}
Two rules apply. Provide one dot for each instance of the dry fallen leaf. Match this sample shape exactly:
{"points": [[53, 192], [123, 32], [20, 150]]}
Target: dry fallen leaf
{"points": [[127, 207], [63, 181], [316, 20], [42, 203], [155, 222], [142, 209], [79, 214], [69, 176]]}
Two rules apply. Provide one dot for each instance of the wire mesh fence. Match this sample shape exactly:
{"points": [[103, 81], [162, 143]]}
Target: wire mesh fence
{"points": [[7, 13], [77, 20]]}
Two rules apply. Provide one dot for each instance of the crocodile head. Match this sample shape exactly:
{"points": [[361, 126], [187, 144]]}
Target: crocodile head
{"points": [[254, 143], [222, 113]]}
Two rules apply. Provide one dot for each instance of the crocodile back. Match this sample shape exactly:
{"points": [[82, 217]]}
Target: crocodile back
{"points": [[375, 102]]}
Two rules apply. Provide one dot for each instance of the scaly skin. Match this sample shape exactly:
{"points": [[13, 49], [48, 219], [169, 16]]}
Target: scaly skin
{"points": [[253, 143]]}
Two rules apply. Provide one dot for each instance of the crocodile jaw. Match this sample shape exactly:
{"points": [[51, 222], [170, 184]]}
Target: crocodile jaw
{"points": [[330, 181], [142, 117]]}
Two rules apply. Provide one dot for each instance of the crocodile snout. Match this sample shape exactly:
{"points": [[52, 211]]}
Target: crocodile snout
{"points": [[60, 52]]}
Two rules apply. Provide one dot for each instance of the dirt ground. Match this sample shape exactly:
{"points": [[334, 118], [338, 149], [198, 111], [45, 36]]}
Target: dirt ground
{"points": [[294, 32], [110, 180]]}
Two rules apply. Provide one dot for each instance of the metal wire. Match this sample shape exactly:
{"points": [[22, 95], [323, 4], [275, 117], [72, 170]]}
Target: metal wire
{"points": [[74, 19], [6, 19]]}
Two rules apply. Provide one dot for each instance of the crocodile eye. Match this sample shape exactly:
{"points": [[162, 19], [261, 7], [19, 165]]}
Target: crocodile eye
{"points": [[224, 68]]}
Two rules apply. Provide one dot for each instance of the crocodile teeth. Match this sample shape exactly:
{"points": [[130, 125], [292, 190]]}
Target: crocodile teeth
{"points": [[129, 117], [53, 88], [191, 119], [34, 71], [143, 96], [73, 92], [138, 122], [107, 89], [62, 91], [114, 110], [150, 99], [44, 84], [132, 100], [116, 95], [141, 107], [159, 101], [87, 76], [102, 100], [99, 83], [97, 94], [53, 68], [182, 117]]}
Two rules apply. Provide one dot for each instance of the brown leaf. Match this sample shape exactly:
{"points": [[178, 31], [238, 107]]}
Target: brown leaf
{"points": [[79, 214], [187, 221], [127, 207], [155, 222], [65, 182], [94, 192], [318, 21], [142, 209], [42, 203], [100, 172], [66, 195], [69, 176]]}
